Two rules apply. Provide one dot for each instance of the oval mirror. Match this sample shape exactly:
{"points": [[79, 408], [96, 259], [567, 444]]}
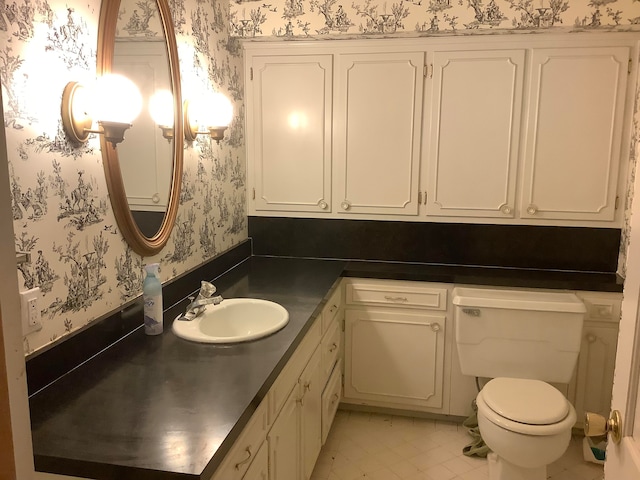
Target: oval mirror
{"points": [[136, 39]]}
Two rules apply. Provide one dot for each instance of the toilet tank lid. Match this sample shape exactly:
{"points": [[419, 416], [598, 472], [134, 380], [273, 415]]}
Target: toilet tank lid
{"points": [[542, 301]]}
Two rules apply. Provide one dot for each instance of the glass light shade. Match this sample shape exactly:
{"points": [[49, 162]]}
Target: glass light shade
{"points": [[161, 108], [116, 99], [220, 111]]}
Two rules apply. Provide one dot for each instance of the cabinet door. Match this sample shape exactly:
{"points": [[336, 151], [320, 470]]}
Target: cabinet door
{"points": [[311, 413], [574, 132], [475, 115], [289, 123], [394, 357], [595, 369], [283, 438], [378, 124]]}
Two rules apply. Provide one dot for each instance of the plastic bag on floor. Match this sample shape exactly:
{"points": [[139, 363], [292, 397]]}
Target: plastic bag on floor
{"points": [[477, 447]]}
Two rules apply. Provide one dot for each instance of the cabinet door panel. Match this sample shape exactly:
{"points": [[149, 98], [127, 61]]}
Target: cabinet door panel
{"points": [[595, 369], [395, 357], [290, 121], [574, 131], [474, 133], [311, 384], [378, 120], [284, 445]]}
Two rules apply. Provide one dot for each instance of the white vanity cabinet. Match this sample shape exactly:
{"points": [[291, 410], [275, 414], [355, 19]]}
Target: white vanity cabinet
{"points": [[378, 112], [472, 144], [297, 399], [574, 132], [295, 416], [289, 100], [395, 344]]}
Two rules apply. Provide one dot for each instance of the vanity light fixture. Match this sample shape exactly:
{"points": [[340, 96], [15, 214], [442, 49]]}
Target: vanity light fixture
{"points": [[161, 110], [211, 116], [113, 102]]}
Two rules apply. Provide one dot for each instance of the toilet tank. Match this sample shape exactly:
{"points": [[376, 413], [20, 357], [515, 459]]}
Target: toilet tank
{"points": [[518, 333]]}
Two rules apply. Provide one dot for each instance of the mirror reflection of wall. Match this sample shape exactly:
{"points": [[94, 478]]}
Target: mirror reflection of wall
{"points": [[145, 156]]}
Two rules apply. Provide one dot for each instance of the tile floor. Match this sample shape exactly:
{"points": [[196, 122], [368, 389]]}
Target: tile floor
{"points": [[386, 447]]}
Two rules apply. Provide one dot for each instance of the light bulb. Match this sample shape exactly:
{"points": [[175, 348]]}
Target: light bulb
{"points": [[220, 111], [161, 108], [116, 99]]}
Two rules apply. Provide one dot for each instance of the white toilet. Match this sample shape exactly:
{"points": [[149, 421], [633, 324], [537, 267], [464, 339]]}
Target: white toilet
{"points": [[521, 339]]}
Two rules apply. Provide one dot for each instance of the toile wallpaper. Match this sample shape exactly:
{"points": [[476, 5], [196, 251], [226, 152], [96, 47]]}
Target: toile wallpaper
{"points": [[61, 209], [305, 18]]}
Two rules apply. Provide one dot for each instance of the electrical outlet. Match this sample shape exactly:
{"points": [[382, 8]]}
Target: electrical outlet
{"points": [[29, 302]]}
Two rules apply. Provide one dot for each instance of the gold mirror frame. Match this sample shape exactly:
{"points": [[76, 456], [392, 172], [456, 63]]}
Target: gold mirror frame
{"points": [[141, 244]]}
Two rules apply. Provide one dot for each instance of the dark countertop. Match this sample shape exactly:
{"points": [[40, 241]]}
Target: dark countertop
{"points": [[164, 408], [496, 276]]}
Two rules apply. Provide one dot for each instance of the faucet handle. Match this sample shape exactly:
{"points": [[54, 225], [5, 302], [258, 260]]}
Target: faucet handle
{"points": [[207, 289]]}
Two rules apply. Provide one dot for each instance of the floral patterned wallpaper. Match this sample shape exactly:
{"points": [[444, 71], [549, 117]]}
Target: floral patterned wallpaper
{"points": [[61, 209], [306, 18]]}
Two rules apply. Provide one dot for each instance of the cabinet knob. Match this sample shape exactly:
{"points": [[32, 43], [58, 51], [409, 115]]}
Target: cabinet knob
{"points": [[333, 347], [506, 209], [345, 205], [155, 198], [323, 205], [591, 338], [435, 327], [532, 209]]}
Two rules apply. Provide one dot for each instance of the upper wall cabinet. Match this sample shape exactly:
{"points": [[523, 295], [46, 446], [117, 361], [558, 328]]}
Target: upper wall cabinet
{"points": [[378, 111], [506, 129], [574, 131], [471, 147], [289, 100]]}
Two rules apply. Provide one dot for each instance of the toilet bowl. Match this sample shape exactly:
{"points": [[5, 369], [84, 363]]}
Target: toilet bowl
{"points": [[522, 339], [526, 423]]}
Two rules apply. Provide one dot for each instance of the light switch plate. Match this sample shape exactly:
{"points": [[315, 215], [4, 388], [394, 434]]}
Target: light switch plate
{"points": [[30, 307]]}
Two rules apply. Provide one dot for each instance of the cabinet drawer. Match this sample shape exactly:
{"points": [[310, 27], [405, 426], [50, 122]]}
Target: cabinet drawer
{"points": [[406, 294], [288, 378], [244, 450], [259, 469], [331, 346], [331, 309], [331, 399]]}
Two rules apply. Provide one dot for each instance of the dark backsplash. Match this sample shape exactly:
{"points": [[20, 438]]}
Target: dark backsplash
{"points": [[517, 246]]}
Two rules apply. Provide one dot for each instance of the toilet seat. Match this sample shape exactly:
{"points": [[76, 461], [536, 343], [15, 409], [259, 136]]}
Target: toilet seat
{"points": [[526, 401], [530, 407]]}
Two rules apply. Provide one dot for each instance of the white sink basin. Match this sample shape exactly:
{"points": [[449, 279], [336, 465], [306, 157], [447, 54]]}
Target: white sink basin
{"points": [[234, 320]]}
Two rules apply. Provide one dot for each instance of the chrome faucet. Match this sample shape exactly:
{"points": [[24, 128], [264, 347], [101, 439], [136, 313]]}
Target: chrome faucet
{"points": [[205, 297]]}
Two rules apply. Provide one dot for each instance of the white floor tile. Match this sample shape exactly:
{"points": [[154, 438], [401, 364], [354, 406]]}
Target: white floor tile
{"points": [[369, 446]]}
